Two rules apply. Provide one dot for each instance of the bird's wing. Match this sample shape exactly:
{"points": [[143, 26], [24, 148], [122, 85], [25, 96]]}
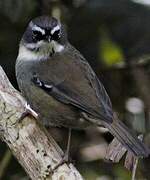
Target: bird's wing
{"points": [[82, 90]]}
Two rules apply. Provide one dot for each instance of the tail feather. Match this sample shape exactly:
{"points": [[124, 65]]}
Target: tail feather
{"points": [[127, 138]]}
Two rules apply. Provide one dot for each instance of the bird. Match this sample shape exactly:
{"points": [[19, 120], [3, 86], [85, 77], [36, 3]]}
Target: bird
{"points": [[62, 88]]}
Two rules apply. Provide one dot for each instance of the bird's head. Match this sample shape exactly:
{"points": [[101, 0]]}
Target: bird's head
{"points": [[44, 35]]}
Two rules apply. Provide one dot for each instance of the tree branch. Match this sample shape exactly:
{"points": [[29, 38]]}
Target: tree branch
{"points": [[28, 140]]}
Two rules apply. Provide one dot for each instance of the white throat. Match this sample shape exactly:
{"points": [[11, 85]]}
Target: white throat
{"points": [[57, 47], [42, 50]]}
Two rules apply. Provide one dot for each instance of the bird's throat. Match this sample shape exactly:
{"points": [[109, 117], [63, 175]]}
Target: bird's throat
{"points": [[39, 52]]}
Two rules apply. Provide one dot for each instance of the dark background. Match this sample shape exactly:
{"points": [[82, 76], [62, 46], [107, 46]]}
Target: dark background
{"points": [[114, 36]]}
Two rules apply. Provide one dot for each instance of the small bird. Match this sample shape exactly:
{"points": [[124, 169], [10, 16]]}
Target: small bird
{"points": [[61, 87]]}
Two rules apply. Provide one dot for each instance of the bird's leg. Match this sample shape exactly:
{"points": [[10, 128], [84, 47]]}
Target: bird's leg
{"points": [[28, 111], [67, 152], [65, 158]]}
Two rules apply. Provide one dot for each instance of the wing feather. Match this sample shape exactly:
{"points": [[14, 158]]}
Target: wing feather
{"points": [[81, 88]]}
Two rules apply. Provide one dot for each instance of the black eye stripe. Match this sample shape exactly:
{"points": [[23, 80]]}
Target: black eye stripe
{"points": [[37, 35], [56, 35], [56, 32]]}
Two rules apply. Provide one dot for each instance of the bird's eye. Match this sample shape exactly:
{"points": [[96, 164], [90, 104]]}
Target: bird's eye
{"points": [[56, 35], [37, 35]]}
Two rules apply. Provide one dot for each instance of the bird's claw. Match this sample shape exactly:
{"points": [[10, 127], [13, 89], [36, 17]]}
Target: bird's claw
{"points": [[65, 160], [28, 111]]}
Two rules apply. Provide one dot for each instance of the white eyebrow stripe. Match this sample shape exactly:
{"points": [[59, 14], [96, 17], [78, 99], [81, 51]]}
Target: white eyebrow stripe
{"points": [[37, 28], [56, 28]]}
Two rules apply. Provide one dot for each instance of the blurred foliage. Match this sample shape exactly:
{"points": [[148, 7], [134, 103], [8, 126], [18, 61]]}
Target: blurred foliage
{"points": [[114, 37], [17, 11], [109, 51]]}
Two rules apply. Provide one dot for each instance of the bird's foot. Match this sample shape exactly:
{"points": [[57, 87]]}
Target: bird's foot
{"points": [[28, 111], [65, 160]]}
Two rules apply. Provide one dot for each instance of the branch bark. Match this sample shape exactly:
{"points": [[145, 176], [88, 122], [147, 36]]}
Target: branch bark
{"points": [[28, 140]]}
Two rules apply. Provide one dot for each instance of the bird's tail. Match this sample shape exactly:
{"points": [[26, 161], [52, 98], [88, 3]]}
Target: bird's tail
{"points": [[127, 138]]}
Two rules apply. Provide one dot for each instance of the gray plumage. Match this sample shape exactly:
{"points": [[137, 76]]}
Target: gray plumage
{"points": [[61, 86]]}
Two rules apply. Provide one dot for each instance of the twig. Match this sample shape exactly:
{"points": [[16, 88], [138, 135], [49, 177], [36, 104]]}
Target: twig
{"points": [[28, 140], [115, 151], [136, 161], [134, 169]]}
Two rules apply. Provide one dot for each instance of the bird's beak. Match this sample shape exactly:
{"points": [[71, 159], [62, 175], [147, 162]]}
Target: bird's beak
{"points": [[49, 38]]}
